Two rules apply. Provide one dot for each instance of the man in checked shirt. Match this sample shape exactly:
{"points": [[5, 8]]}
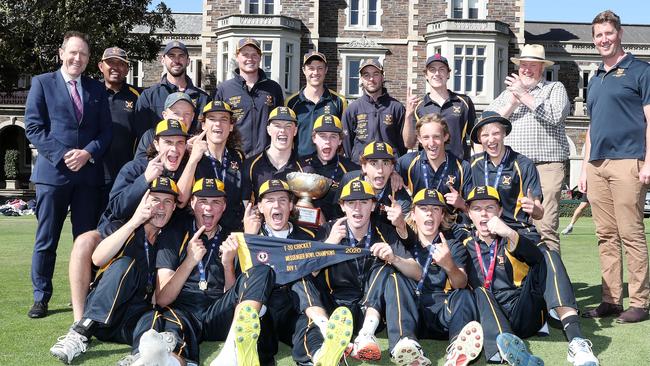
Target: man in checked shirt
{"points": [[537, 109]]}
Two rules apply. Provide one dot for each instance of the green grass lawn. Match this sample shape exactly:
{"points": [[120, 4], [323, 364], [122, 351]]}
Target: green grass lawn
{"points": [[27, 341]]}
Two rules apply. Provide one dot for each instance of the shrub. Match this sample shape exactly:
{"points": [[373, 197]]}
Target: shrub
{"points": [[11, 164]]}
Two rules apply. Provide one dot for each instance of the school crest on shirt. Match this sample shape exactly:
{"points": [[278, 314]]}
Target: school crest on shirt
{"points": [[269, 100], [234, 101], [195, 100], [388, 120], [507, 180], [619, 73], [501, 261], [128, 105], [234, 165], [451, 180], [327, 110], [456, 109]]}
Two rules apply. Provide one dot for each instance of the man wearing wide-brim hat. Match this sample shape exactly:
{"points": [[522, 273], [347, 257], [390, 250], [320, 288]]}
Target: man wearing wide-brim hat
{"points": [[537, 109]]}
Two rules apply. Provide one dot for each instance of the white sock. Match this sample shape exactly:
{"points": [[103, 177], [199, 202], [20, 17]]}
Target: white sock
{"points": [[370, 324], [321, 323]]}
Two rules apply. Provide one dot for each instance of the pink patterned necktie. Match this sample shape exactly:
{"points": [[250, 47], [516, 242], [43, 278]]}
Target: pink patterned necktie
{"points": [[76, 100]]}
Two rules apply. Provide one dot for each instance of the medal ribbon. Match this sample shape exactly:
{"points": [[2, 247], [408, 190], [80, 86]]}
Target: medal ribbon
{"points": [[425, 172], [497, 178], [224, 165], [213, 245], [149, 272], [488, 273], [353, 243], [432, 249]]}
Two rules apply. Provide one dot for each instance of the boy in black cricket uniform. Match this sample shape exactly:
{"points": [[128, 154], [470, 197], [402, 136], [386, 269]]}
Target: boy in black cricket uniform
{"points": [[515, 281], [277, 160], [446, 308], [123, 288], [133, 180], [372, 287], [200, 295], [512, 174], [378, 169], [297, 307], [326, 161], [216, 154]]}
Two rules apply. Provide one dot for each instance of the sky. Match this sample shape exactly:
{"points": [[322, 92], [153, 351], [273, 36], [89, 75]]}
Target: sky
{"points": [[630, 11]]}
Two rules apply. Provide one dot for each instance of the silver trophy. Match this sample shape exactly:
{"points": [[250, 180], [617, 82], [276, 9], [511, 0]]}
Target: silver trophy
{"points": [[308, 187]]}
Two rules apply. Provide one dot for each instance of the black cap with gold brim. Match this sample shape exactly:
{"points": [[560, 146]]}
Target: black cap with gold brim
{"points": [[328, 123], [486, 118], [208, 187], [429, 197], [171, 127], [483, 193], [357, 189], [164, 185], [378, 150], [274, 185], [283, 114], [217, 106]]}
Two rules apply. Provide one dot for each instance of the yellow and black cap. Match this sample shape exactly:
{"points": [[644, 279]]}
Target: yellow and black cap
{"points": [[283, 114], [486, 118], [176, 97], [248, 41], [274, 185], [171, 127], [313, 55], [357, 189], [371, 62], [378, 150], [429, 197], [208, 187], [164, 185], [217, 106], [328, 123], [483, 193]]}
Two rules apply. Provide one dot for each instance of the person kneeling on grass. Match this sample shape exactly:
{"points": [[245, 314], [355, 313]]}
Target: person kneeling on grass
{"points": [[515, 281], [123, 289], [372, 287], [446, 308]]}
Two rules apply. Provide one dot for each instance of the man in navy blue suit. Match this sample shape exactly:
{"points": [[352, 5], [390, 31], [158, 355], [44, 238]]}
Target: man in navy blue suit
{"points": [[67, 118]]}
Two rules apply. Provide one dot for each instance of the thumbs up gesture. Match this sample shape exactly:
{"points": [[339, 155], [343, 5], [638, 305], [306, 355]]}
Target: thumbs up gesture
{"points": [[531, 206], [455, 199], [394, 213]]}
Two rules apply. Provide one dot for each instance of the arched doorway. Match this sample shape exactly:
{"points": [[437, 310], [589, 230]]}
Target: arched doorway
{"points": [[12, 137]]}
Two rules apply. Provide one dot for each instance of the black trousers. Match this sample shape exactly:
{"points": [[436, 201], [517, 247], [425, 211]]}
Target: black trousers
{"points": [[447, 315]]}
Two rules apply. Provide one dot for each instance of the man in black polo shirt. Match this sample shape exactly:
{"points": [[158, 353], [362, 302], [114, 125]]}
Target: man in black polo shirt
{"points": [[277, 160], [457, 109], [252, 96], [375, 116], [121, 99], [314, 100], [151, 103]]}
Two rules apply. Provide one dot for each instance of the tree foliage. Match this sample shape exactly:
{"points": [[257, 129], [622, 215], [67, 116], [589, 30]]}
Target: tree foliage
{"points": [[31, 32]]}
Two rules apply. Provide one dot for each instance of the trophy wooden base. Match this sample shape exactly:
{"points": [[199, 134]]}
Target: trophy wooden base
{"points": [[308, 216]]}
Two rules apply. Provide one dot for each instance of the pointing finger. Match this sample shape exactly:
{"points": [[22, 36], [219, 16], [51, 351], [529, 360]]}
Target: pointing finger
{"points": [[199, 232], [529, 194]]}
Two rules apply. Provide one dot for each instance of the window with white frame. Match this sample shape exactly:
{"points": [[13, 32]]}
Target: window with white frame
{"points": [[584, 82], [500, 77], [353, 82], [259, 6], [225, 61], [467, 9], [267, 58], [135, 75], [469, 68], [551, 72], [288, 63], [364, 14]]}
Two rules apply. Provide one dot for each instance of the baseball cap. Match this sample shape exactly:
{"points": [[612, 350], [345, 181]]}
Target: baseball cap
{"points": [[164, 185], [274, 185], [217, 106], [483, 193], [175, 97], [328, 123], [171, 127], [437, 57], [313, 55], [283, 114], [208, 187], [357, 189], [175, 44], [429, 197], [377, 150], [115, 52], [371, 62], [248, 41], [486, 118]]}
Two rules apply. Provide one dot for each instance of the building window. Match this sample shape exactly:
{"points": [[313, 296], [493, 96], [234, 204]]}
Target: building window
{"points": [[353, 82], [585, 82], [260, 7], [135, 75], [288, 62], [467, 9], [469, 68], [500, 67], [364, 14], [225, 61], [267, 58]]}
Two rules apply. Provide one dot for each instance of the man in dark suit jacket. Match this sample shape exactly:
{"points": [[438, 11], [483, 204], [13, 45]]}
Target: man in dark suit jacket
{"points": [[67, 118]]}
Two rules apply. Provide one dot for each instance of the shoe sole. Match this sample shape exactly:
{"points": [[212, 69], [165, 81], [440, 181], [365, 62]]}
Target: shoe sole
{"points": [[409, 356], [337, 337], [514, 351], [60, 356], [247, 332], [468, 346], [369, 353]]}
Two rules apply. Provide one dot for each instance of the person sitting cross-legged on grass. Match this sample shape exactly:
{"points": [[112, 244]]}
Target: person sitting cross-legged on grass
{"points": [[515, 281], [123, 289]]}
